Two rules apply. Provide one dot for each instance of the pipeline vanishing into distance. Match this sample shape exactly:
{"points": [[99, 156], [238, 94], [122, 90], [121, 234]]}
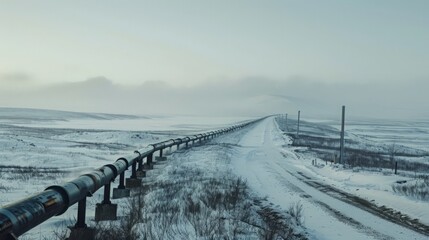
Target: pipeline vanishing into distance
{"points": [[19, 217]]}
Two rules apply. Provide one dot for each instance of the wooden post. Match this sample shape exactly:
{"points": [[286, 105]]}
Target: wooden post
{"points": [[286, 123], [396, 167], [342, 136], [297, 130]]}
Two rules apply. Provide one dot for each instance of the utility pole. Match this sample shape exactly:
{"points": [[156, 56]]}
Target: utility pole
{"points": [[297, 129], [342, 136], [286, 123]]}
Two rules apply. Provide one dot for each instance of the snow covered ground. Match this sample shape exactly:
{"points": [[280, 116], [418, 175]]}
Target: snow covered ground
{"points": [[101, 121], [410, 133], [53, 149], [40, 148], [271, 166]]}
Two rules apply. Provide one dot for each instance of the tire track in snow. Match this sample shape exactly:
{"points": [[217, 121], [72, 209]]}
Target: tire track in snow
{"points": [[384, 212], [274, 165], [330, 210]]}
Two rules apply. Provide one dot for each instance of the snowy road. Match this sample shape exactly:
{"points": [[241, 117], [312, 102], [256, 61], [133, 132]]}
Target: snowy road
{"points": [[271, 168]]}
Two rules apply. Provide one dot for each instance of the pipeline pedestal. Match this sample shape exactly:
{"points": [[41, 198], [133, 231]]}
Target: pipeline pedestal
{"points": [[82, 233], [160, 158], [133, 182], [148, 166], [105, 212], [120, 193], [141, 174]]}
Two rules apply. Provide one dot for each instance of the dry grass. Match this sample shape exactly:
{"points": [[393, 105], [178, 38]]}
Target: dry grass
{"points": [[195, 206], [418, 189]]}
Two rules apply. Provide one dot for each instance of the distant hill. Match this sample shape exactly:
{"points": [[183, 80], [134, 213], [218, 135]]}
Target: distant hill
{"points": [[30, 114]]}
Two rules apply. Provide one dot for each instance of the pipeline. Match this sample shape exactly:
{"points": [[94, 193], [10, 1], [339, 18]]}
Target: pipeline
{"points": [[19, 217]]}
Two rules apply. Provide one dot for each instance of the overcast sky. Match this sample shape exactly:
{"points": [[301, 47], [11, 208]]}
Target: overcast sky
{"points": [[217, 57]]}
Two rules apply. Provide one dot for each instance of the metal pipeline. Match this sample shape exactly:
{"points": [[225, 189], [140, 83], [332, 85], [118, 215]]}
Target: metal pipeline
{"points": [[19, 217]]}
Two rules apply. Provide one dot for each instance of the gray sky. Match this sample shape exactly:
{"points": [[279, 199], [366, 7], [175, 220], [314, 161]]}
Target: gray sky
{"points": [[216, 57]]}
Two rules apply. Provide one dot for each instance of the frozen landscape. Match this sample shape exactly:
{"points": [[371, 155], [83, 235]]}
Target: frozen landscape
{"points": [[159, 120], [277, 177]]}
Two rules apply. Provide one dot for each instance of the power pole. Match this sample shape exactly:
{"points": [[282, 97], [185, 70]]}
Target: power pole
{"points": [[286, 123], [297, 129], [342, 136]]}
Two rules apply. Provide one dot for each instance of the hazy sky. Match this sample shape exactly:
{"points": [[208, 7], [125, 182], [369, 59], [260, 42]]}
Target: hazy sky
{"points": [[276, 55]]}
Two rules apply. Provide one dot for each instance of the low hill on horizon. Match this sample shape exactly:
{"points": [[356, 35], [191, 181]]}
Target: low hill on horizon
{"points": [[33, 114]]}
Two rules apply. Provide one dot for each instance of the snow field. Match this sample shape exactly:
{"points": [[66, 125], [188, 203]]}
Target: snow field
{"points": [[33, 159], [68, 153], [260, 155]]}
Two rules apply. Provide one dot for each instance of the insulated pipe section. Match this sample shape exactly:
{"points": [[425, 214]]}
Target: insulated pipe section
{"points": [[89, 183], [157, 146], [162, 145], [131, 159], [169, 143], [143, 153], [146, 151], [18, 218], [22, 216], [199, 136]]}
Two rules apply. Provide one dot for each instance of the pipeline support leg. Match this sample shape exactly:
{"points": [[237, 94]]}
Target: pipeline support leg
{"points": [[133, 181], [161, 157], [149, 162], [81, 214], [121, 191], [106, 210], [80, 231]]}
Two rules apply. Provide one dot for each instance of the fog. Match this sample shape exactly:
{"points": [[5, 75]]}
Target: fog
{"points": [[217, 58], [253, 96]]}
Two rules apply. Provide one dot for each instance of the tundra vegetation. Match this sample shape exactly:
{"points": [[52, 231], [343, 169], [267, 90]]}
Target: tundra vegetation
{"points": [[323, 141], [195, 196]]}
